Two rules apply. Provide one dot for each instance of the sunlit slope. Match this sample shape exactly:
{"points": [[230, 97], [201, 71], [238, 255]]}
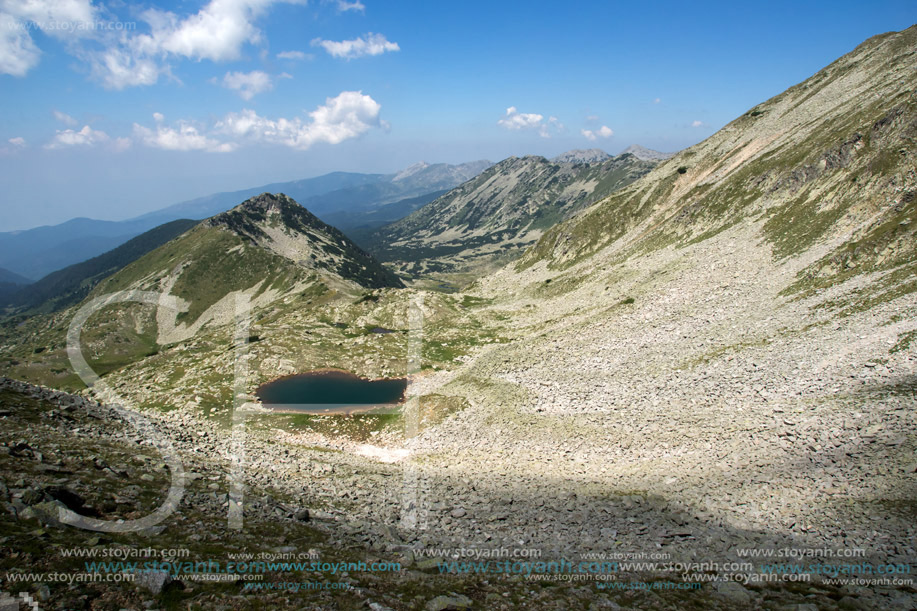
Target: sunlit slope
{"points": [[832, 158]]}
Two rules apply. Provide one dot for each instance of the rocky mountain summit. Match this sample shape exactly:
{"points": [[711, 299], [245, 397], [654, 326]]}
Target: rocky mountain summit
{"points": [[278, 224], [582, 156], [646, 154]]}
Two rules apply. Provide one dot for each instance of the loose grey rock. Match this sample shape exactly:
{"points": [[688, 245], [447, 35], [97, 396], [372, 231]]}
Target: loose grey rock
{"points": [[454, 602], [153, 581], [733, 592]]}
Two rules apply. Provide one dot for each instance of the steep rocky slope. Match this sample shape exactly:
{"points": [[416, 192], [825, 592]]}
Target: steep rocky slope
{"points": [[641, 152], [829, 159], [490, 219], [730, 339]]}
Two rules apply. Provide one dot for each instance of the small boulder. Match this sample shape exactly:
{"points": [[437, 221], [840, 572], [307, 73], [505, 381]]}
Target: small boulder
{"points": [[453, 602], [152, 581], [733, 592]]}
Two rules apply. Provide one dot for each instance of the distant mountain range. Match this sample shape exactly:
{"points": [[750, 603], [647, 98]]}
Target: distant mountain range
{"points": [[10, 283], [347, 199], [493, 217], [68, 286]]}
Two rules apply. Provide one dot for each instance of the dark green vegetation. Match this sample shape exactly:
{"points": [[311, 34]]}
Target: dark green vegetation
{"points": [[71, 285]]}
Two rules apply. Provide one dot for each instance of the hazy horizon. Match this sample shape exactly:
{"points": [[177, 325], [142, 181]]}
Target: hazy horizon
{"points": [[130, 109]]}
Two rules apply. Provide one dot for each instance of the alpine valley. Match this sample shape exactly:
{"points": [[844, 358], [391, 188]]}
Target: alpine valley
{"points": [[665, 362]]}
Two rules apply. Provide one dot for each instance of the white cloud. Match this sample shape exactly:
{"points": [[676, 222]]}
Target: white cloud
{"points": [[602, 132], [120, 68], [346, 116], [355, 5], [657, 100], [185, 137], [340, 118], [64, 118], [18, 53], [698, 124], [515, 120], [294, 55], [18, 141], [249, 84], [85, 137], [124, 57], [372, 44], [217, 32]]}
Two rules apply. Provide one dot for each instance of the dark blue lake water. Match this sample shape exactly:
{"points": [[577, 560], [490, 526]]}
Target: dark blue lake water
{"points": [[327, 392]]}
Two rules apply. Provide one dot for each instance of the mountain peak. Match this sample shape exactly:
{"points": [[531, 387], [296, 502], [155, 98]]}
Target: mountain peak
{"points": [[582, 156], [278, 223], [641, 152], [265, 201], [411, 170]]}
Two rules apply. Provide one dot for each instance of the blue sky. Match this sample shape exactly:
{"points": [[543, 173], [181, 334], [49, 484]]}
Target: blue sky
{"points": [[111, 109]]}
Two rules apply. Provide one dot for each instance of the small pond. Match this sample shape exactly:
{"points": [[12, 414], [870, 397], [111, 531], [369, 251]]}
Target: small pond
{"points": [[331, 392]]}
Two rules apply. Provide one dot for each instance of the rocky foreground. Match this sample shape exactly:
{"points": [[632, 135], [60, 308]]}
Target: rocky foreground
{"points": [[314, 503]]}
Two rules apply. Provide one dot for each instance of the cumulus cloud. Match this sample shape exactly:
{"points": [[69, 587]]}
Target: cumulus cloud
{"points": [[122, 56], [18, 141], [602, 132], [515, 120], [217, 32], [119, 68], [346, 116], [85, 137], [18, 53], [248, 84], [698, 124], [355, 5], [64, 118], [371, 44], [294, 55], [184, 137]]}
